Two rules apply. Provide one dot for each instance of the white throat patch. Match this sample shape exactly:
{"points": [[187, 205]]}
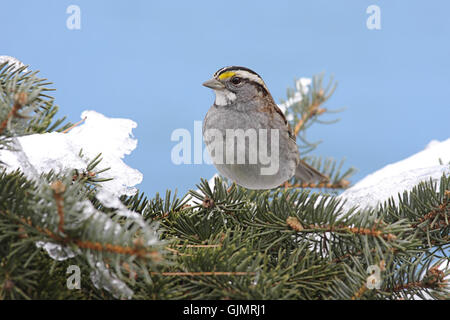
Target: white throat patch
{"points": [[224, 97]]}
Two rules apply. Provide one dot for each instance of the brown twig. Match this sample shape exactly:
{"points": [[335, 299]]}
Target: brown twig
{"points": [[360, 292], [84, 174], [108, 247], [441, 210], [178, 252], [296, 225], [433, 279], [136, 250], [74, 125], [20, 100], [58, 190], [165, 215], [192, 246], [312, 111], [342, 184], [205, 273], [199, 246]]}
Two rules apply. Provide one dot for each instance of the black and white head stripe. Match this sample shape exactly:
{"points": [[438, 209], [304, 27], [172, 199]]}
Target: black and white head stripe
{"points": [[233, 68], [241, 72]]}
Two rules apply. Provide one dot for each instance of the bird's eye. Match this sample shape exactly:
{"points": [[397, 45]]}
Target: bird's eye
{"points": [[236, 80]]}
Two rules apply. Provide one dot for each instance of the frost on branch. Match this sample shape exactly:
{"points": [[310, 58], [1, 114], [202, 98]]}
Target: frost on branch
{"points": [[81, 227], [12, 61], [59, 151], [301, 88]]}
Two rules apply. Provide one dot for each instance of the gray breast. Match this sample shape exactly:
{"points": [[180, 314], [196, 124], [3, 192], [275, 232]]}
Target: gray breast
{"points": [[245, 149]]}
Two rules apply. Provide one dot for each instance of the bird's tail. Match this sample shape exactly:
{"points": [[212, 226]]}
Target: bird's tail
{"points": [[308, 174]]}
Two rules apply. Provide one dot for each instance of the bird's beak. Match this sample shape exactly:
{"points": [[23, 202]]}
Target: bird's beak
{"points": [[214, 84]]}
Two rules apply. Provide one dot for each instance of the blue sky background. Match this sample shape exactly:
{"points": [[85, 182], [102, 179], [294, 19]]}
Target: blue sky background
{"points": [[146, 60]]}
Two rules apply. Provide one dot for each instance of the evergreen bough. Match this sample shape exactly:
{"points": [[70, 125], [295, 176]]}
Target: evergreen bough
{"points": [[224, 242]]}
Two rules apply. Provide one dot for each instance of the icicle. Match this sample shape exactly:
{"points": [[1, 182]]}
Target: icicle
{"points": [[103, 278], [56, 251]]}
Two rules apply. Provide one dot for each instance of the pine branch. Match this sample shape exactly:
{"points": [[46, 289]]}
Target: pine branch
{"points": [[227, 242], [305, 107]]}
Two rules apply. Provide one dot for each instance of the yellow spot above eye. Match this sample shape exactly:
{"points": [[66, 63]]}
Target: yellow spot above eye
{"points": [[227, 75]]}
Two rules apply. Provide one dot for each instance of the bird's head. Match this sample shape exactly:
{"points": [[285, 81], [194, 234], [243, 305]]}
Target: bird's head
{"points": [[236, 84]]}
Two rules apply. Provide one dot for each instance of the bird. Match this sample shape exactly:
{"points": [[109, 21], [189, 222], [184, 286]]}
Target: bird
{"points": [[247, 135]]}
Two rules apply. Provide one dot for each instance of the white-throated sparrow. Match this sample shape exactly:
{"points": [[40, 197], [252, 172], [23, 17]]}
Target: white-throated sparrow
{"points": [[248, 136]]}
